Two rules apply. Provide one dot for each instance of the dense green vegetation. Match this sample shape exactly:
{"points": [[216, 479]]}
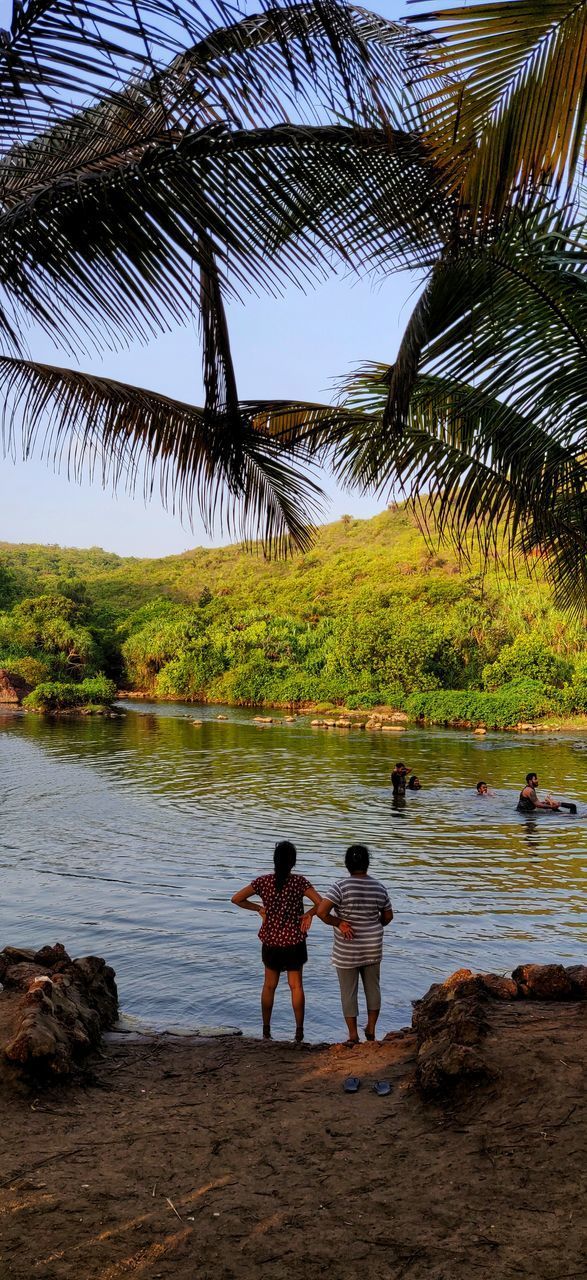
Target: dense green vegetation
{"points": [[371, 615]]}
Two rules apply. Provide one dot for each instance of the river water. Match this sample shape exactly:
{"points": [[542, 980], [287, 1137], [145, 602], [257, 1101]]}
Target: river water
{"points": [[127, 838]]}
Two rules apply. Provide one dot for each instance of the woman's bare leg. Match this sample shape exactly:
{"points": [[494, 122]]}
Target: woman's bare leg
{"points": [[267, 998], [298, 999]]}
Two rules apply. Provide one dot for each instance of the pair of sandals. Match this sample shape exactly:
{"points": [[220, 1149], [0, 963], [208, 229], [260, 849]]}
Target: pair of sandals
{"points": [[352, 1084]]}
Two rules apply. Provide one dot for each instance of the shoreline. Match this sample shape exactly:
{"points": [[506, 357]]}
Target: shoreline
{"points": [[393, 719]]}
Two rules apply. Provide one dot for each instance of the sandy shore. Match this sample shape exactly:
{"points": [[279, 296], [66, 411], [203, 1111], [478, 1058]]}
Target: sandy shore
{"points": [[233, 1158]]}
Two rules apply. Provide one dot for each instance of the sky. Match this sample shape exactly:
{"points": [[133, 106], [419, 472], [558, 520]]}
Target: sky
{"points": [[294, 346]]}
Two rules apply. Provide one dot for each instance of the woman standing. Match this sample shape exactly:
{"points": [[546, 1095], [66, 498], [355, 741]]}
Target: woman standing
{"points": [[283, 931]]}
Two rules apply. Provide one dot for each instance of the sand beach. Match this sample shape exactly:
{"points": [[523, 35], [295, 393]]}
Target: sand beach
{"points": [[230, 1158]]}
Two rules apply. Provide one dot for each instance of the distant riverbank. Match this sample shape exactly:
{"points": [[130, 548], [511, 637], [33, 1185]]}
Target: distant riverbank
{"points": [[378, 718]]}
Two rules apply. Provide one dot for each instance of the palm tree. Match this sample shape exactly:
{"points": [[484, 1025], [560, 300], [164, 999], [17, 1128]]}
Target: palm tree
{"points": [[208, 161], [221, 163], [483, 409]]}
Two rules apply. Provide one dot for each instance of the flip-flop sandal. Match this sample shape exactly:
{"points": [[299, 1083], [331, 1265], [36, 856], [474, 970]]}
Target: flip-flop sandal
{"points": [[382, 1088], [351, 1084]]}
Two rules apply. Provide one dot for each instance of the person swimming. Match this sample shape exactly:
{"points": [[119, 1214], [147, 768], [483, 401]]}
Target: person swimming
{"points": [[528, 801], [414, 783], [398, 778], [483, 790]]}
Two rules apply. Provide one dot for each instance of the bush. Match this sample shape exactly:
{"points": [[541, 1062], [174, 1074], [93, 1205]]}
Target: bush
{"points": [[574, 694], [520, 700], [31, 670], [56, 695], [527, 658]]}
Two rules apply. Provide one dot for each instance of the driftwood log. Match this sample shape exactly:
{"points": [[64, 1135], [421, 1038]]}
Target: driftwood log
{"points": [[53, 1010]]}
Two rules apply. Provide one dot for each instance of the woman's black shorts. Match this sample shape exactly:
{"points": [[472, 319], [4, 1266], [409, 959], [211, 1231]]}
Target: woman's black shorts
{"points": [[283, 959]]}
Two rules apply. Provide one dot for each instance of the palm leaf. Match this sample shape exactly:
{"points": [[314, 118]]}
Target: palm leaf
{"points": [[112, 239], [509, 316], [261, 486], [512, 111], [59, 53], [475, 468]]}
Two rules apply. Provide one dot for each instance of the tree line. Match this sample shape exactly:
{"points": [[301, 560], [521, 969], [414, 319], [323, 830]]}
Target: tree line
{"points": [[350, 626]]}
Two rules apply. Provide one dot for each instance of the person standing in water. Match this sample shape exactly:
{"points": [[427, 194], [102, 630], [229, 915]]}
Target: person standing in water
{"points": [[283, 931], [398, 778], [358, 908], [529, 801]]}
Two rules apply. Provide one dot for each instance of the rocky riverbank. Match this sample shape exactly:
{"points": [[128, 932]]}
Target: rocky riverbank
{"points": [[233, 1159], [53, 1011], [385, 719]]}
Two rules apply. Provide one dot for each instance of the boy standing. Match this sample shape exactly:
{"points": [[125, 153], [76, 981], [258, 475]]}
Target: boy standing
{"points": [[358, 908]]}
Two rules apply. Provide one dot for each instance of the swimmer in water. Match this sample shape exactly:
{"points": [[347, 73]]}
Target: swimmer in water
{"points": [[414, 783], [398, 778], [483, 790], [529, 802]]}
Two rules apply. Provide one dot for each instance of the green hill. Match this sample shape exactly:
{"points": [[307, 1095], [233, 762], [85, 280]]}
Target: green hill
{"points": [[348, 558], [372, 614]]}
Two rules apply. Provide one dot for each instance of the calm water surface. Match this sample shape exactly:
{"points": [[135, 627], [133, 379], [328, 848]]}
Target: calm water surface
{"points": [[127, 838]]}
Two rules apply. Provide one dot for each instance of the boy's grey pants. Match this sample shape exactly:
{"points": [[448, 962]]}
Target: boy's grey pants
{"points": [[349, 986]]}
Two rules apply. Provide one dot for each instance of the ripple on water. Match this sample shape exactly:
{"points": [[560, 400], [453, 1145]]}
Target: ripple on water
{"points": [[128, 838]]}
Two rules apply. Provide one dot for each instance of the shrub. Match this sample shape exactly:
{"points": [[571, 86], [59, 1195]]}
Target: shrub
{"points": [[516, 701], [574, 694], [527, 658], [31, 670], [521, 700], [56, 695]]}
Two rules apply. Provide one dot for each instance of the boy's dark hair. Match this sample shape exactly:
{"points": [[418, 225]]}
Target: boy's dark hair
{"points": [[356, 858], [532, 774], [484, 784], [284, 858]]}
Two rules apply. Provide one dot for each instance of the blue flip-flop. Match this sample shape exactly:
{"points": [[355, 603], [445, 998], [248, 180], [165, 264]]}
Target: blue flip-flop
{"points": [[382, 1088], [351, 1084]]}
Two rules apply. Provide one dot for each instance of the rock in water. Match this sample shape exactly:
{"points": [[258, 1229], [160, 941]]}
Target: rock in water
{"points": [[54, 1010]]}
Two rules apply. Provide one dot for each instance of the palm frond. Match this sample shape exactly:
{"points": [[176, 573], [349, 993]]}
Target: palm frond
{"points": [[111, 242], [475, 468], [511, 115], [260, 487], [58, 54], [510, 317]]}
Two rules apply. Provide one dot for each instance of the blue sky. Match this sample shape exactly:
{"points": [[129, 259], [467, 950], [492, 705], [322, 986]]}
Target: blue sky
{"points": [[294, 346]]}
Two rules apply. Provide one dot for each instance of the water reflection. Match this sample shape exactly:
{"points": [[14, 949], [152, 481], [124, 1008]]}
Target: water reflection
{"points": [[128, 837]]}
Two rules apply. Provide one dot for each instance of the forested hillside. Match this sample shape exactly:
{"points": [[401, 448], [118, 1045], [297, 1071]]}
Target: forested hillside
{"points": [[371, 615]]}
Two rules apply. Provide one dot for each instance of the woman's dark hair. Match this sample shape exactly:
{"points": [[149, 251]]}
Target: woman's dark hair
{"points": [[414, 778], [356, 858], [284, 858]]}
